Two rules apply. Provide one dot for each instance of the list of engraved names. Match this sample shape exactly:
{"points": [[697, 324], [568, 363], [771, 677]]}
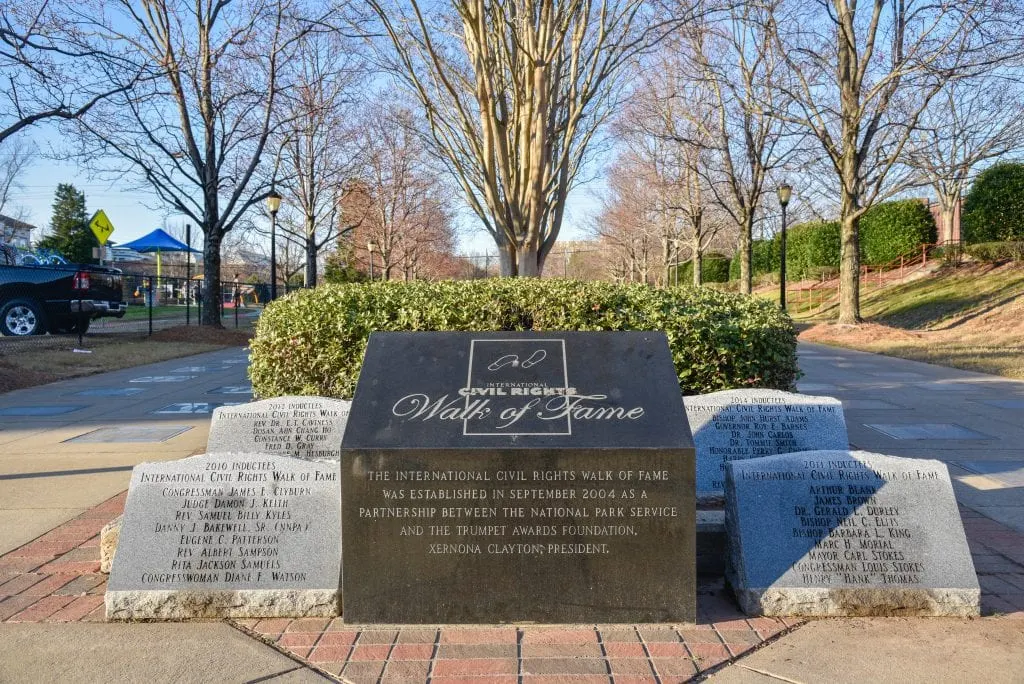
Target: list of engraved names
{"points": [[761, 427], [234, 521], [858, 529]]}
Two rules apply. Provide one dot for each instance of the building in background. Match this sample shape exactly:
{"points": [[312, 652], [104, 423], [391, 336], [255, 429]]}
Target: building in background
{"points": [[15, 232]]}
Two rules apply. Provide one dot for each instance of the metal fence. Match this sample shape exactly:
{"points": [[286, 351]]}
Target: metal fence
{"points": [[162, 302], [30, 314]]}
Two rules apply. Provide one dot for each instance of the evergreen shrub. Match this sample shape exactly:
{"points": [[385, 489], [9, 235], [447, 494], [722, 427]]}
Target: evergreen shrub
{"points": [[894, 229], [313, 340], [997, 252], [715, 268], [993, 210]]}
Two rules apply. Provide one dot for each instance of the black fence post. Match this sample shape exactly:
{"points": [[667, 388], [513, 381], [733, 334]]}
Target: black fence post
{"points": [[81, 321], [150, 294], [236, 297]]}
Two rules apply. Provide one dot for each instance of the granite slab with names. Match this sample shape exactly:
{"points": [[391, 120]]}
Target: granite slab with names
{"points": [[750, 423], [301, 427], [541, 477], [228, 535], [847, 533]]}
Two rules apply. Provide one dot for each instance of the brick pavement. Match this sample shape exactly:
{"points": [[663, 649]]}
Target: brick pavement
{"points": [[56, 578]]}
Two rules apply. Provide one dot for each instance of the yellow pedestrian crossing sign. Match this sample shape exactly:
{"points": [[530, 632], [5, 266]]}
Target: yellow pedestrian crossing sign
{"points": [[101, 227]]}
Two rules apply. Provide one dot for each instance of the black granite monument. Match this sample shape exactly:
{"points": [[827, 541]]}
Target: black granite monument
{"points": [[504, 477]]}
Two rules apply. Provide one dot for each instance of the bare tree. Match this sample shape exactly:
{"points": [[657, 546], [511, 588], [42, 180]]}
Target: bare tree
{"points": [[627, 225], [429, 235], [734, 59], [319, 146], [404, 197], [197, 134], [672, 123], [969, 122], [514, 94], [15, 158], [48, 74], [859, 76]]}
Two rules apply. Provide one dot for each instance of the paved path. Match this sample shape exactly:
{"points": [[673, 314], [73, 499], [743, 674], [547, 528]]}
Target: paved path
{"points": [[66, 471], [70, 445], [972, 421]]}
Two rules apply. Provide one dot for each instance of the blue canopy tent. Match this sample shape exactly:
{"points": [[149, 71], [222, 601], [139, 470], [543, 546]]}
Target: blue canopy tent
{"points": [[158, 241]]}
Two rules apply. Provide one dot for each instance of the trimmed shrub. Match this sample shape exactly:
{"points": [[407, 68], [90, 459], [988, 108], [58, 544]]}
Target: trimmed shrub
{"points": [[997, 252], [893, 229], [312, 341], [811, 245], [715, 269], [993, 210]]}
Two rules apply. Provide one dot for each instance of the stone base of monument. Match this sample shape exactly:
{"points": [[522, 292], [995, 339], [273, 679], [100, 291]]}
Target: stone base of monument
{"points": [[108, 543], [712, 543], [850, 602], [847, 533], [179, 605]]}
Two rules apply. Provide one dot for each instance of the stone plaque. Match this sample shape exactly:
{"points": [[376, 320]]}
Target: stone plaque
{"points": [[228, 535], [847, 533], [750, 423], [543, 477], [309, 428]]}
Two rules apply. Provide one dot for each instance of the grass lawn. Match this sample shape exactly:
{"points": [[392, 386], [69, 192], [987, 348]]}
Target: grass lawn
{"points": [[971, 318], [139, 312]]}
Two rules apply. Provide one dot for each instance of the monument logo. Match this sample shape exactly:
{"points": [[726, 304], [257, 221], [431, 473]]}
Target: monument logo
{"points": [[515, 387]]}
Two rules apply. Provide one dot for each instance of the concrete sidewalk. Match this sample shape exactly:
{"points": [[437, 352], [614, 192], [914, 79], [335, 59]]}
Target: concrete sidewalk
{"points": [[971, 421], [63, 461], [68, 446]]}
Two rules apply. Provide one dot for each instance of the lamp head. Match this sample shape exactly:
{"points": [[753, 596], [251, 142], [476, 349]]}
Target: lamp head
{"points": [[273, 201], [785, 191]]}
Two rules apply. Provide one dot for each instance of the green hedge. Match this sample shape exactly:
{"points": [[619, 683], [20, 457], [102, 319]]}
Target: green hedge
{"points": [[766, 259], [996, 252], [312, 341], [714, 268], [810, 246], [993, 210], [887, 232], [893, 229]]}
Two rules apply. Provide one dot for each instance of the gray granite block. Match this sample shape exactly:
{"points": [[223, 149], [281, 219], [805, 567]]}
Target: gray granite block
{"points": [[750, 423], [309, 428], [844, 533], [229, 535]]}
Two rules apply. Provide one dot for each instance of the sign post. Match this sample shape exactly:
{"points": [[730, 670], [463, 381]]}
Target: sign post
{"points": [[102, 228]]}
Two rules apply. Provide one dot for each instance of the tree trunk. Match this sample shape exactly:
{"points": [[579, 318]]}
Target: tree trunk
{"points": [[507, 259], [528, 259], [849, 264], [311, 250], [948, 217], [211, 277], [666, 253], [698, 266], [747, 254]]}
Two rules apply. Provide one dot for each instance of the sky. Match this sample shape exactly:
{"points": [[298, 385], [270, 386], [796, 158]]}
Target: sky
{"points": [[134, 213]]}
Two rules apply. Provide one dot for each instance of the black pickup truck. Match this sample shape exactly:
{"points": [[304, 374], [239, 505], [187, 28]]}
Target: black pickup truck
{"points": [[56, 297]]}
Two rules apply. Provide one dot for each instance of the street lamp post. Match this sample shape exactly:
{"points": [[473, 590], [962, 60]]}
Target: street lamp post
{"points": [[273, 204], [370, 247], [785, 191]]}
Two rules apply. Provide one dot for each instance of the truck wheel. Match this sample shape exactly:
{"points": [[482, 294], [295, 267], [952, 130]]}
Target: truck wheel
{"points": [[22, 317]]}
